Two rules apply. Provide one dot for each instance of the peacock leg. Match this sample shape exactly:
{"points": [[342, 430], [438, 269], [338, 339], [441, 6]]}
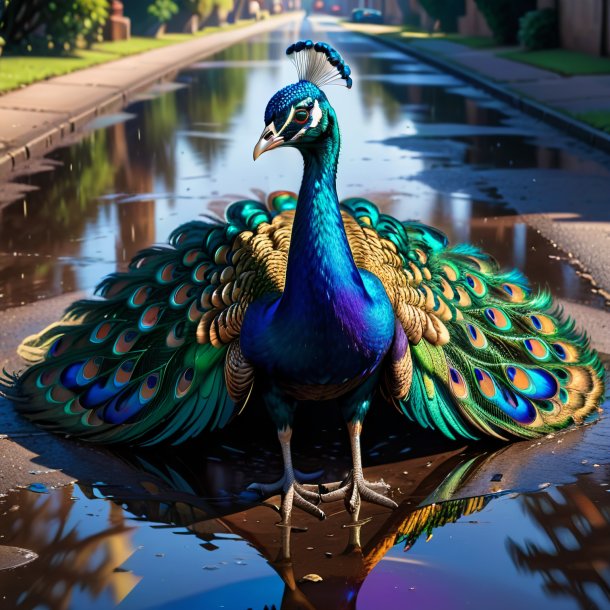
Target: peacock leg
{"points": [[293, 492], [356, 487]]}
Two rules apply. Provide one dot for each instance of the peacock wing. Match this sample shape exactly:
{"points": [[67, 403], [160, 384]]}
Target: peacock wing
{"points": [[156, 357], [484, 352]]}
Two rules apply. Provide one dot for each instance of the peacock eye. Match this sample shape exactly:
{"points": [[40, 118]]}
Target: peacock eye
{"points": [[301, 116]]}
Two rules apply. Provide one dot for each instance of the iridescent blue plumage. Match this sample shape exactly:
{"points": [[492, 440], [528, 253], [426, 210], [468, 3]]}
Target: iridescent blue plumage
{"points": [[327, 302]]}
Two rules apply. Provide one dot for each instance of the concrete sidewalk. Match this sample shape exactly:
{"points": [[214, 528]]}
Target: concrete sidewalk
{"points": [[35, 119], [540, 93], [571, 94]]}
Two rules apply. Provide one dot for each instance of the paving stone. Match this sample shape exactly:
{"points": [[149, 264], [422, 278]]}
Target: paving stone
{"points": [[6, 165], [115, 75], [584, 105], [503, 70], [47, 141], [15, 125], [51, 97], [575, 88]]}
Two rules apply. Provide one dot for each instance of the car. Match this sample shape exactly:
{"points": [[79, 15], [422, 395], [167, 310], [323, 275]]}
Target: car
{"points": [[367, 15]]}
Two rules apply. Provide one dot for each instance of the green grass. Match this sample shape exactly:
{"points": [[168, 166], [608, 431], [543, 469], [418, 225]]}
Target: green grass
{"points": [[562, 61], [600, 119], [409, 33], [474, 42], [20, 70]]}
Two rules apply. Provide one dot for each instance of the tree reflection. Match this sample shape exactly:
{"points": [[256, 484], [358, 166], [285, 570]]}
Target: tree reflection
{"points": [[576, 521], [70, 558], [172, 491], [215, 96]]}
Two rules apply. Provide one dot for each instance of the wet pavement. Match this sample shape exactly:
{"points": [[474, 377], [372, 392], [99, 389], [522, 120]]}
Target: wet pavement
{"points": [[526, 524]]}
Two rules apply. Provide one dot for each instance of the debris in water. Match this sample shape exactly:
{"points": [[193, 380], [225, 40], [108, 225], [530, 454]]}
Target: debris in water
{"points": [[14, 556], [39, 488], [311, 578]]}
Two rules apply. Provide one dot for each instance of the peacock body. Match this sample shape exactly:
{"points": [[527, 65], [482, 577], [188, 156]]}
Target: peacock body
{"points": [[308, 299]]}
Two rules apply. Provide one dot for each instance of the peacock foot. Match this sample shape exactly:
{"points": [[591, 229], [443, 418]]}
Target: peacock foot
{"points": [[305, 497], [354, 488]]}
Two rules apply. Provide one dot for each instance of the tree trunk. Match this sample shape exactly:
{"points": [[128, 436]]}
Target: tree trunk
{"points": [[605, 24]]}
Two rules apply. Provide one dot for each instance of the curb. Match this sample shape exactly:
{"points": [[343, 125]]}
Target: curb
{"points": [[38, 144], [589, 135]]}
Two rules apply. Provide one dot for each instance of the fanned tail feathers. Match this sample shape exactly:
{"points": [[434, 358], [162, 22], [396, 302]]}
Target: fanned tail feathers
{"points": [[513, 366], [127, 367], [145, 362]]}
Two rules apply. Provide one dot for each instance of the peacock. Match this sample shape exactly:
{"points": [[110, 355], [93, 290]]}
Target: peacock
{"points": [[308, 299]]}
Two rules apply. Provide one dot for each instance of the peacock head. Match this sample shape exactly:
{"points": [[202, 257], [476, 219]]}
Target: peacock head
{"points": [[300, 115]]}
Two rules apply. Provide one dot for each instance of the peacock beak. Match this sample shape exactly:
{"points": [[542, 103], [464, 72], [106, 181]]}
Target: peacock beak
{"points": [[268, 140]]}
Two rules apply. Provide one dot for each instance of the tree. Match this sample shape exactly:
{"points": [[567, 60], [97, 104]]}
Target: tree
{"points": [[162, 10], [503, 16], [58, 25], [445, 11]]}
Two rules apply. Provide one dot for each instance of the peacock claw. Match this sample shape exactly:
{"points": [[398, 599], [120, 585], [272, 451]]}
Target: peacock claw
{"points": [[354, 488], [293, 494]]}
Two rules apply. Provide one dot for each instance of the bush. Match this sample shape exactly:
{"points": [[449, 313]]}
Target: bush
{"points": [[206, 8], [76, 22], [539, 29], [162, 10], [59, 25], [445, 11], [503, 16]]}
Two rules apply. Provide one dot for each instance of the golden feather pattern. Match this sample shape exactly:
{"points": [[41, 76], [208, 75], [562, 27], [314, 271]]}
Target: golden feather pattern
{"points": [[439, 294], [398, 377], [258, 266], [239, 374]]}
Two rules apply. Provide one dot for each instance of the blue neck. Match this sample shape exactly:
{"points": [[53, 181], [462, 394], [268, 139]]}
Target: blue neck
{"points": [[321, 276]]}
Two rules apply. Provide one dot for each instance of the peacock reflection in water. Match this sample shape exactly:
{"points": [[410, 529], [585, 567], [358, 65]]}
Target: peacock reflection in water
{"points": [[83, 562]]}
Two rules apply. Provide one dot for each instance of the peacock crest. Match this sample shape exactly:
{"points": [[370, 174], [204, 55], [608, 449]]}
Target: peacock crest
{"points": [[319, 63]]}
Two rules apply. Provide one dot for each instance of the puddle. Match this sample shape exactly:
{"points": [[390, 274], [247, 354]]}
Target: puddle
{"points": [[540, 550], [526, 523]]}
